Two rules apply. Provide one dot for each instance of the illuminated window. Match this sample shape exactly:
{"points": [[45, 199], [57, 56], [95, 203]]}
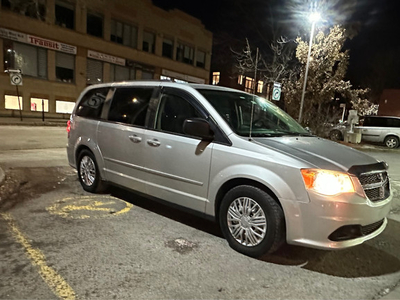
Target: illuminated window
{"points": [[216, 76], [260, 86], [36, 104], [11, 102], [64, 107], [240, 79], [249, 85]]}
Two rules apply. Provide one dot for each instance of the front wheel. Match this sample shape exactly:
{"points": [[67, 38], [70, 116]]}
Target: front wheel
{"points": [[252, 221], [392, 142], [88, 173]]}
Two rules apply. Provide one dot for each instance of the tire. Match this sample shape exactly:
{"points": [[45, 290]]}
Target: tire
{"points": [[392, 141], [271, 222], [335, 135], [88, 173]]}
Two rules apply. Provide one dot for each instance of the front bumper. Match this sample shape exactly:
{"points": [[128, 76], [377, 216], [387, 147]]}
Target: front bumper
{"points": [[314, 223]]}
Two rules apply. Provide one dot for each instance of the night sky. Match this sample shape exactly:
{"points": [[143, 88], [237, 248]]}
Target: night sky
{"points": [[374, 51]]}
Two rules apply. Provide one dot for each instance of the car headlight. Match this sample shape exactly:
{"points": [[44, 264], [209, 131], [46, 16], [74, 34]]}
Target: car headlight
{"points": [[327, 182]]}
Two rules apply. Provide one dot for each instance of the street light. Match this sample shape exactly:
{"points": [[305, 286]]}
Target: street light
{"points": [[314, 18]]}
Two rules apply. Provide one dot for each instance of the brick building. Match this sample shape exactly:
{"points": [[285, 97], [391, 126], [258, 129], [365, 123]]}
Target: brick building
{"points": [[62, 46], [389, 103]]}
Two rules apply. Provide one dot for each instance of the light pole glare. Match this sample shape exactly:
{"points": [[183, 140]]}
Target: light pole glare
{"points": [[314, 17]]}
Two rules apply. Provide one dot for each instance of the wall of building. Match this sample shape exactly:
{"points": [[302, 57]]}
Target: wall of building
{"points": [[389, 103], [142, 14]]}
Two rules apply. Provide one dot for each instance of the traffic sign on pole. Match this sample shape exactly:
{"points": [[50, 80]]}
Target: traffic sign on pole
{"points": [[16, 78], [276, 91]]}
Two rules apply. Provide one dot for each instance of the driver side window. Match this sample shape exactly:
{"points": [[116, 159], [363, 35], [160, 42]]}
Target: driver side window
{"points": [[173, 112]]}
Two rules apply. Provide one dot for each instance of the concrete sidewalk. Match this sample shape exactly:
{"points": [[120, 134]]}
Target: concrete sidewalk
{"points": [[32, 121]]}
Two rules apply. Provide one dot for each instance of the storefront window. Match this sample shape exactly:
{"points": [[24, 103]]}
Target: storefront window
{"points": [[120, 73], [94, 71], [64, 107], [38, 105], [147, 75], [11, 102], [31, 60], [65, 67]]}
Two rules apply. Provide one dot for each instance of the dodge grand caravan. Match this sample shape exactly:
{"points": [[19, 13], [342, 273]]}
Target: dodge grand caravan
{"points": [[232, 157]]}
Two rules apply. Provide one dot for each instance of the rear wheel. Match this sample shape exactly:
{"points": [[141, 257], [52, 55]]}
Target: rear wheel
{"points": [[252, 221], [392, 141], [88, 173], [336, 135]]}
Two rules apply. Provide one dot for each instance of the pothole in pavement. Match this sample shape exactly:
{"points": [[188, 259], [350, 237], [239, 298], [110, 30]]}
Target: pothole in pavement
{"points": [[181, 245]]}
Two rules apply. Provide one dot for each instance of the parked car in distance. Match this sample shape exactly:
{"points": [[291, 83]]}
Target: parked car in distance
{"points": [[378, 129], [230, 156], [374, 129]]}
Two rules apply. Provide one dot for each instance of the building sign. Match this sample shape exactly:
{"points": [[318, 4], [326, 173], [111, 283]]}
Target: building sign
{"points": [[106, 58], [52, 45], [182, 76], [12, 35], [37, 41]]}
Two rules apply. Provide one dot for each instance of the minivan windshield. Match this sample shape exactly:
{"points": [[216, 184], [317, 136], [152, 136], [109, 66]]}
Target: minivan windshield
{"points": [[268, 120]]}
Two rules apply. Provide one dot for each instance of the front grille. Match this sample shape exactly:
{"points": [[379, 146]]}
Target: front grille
{"points": [[368, 229], [372, 178], [375, 184]]}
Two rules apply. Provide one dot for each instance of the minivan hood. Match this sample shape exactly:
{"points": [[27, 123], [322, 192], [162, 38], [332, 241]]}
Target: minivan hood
{"points": [[322, 153]]}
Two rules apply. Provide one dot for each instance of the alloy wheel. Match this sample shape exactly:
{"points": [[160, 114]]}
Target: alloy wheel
{"points": [[246, 221], [87, 170]]}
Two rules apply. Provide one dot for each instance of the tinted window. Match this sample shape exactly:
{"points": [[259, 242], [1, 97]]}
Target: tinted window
{"points": [[129, 105], [375, 122], [392, 122], [92, 103], [174, 110]]}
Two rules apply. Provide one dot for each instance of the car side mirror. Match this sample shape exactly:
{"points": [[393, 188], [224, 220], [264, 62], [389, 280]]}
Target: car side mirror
{"points": [[199, 128]]}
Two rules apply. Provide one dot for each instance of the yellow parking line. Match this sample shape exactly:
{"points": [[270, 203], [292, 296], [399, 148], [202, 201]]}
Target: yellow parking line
{"points": [[56, 283]]}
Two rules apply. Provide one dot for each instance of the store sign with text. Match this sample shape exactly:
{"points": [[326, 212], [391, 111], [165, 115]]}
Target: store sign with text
{"points": [[106, 58], [37, 41]]}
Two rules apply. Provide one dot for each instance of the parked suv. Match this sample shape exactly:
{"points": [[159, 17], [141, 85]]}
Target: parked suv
{"points": [[230, 156]]}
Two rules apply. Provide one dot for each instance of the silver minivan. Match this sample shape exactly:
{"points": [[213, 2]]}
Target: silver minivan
{"points": [[230, 156]]}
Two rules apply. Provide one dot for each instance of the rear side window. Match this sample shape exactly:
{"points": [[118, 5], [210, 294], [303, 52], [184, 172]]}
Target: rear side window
{"points": [[375, 122], [129, 105], [92, 103], [392, 122]]}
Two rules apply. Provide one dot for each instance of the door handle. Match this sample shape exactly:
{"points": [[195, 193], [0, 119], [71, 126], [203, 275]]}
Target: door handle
{"points": [[135, 138], [154, 143]]}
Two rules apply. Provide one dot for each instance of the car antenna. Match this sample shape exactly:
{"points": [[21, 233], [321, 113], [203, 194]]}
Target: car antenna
{"points": [[254, 95]]}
